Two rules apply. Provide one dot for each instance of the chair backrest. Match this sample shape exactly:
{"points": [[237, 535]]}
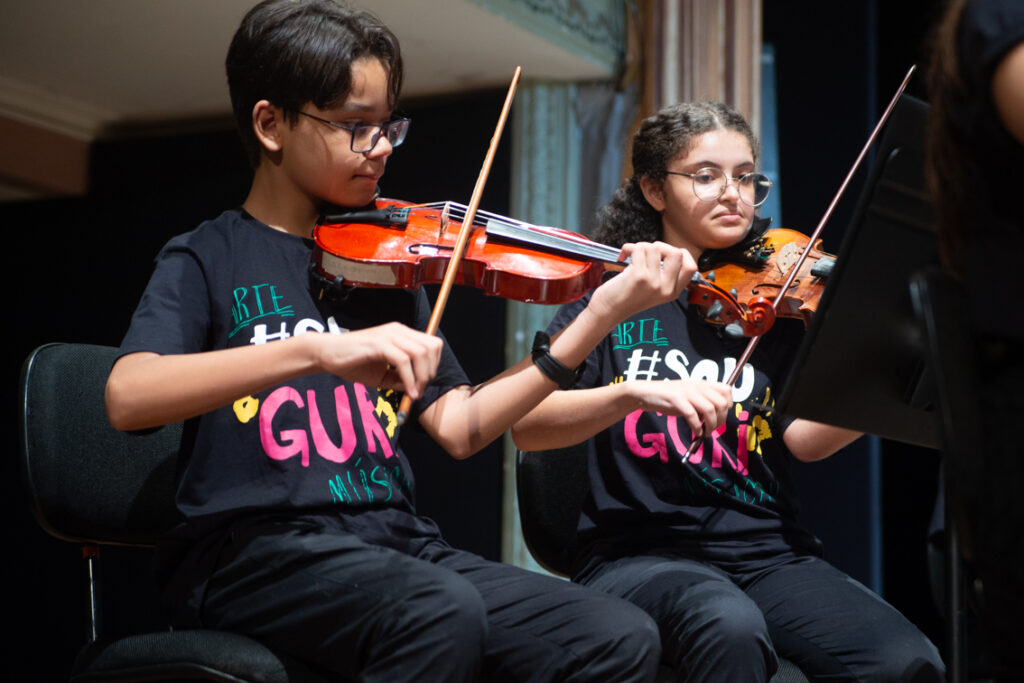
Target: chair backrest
{"points": [[951, 351], [551, 487], [88, 482]]}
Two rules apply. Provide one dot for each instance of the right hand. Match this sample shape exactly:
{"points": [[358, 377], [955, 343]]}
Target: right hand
{"points": [[704, 405], [389, 356]]}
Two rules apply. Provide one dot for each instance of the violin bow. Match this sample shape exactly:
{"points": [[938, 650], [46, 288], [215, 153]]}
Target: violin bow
{"points": [[752, 344], [455, 261]]}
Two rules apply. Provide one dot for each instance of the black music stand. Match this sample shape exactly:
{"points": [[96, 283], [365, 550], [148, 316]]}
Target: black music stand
{"points": [[861, 364]]}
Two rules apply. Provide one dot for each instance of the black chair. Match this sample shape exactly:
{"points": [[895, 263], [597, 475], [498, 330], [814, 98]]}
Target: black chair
{"points": [[91, 484], [551, 487], [951, 357]]}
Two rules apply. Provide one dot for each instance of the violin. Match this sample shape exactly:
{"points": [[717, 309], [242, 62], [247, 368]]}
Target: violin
{"points": [[754, 273], [397, 244]]}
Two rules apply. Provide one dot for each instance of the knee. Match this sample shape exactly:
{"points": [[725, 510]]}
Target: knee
{"points": [[738, 623], [441, 625], [447, 604], [914, 660], [625, 643], [721, 631], [634, 630], [729, 618], [640, 643]]}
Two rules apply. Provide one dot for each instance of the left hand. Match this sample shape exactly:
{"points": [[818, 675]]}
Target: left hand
{"points": [[657, 273]]}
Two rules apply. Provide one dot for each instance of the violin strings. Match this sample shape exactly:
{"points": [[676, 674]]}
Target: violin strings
{"points": [[457, 211]]}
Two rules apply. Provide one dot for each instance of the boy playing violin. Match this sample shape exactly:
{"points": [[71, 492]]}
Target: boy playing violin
{"points": [[298, 523]]}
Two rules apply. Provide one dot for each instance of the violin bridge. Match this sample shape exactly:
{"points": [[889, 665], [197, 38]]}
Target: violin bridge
{"points": [[443, 223], [788, 255]]}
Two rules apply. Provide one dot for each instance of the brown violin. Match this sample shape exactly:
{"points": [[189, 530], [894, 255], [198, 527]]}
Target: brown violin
{"points": [[753, 277]]}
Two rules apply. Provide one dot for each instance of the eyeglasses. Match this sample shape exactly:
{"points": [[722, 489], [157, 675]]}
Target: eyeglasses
{"points": [[709, 184], [366, 135]]}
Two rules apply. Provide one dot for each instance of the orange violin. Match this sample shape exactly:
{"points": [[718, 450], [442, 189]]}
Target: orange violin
{"points": [[398, 244], [754, 275]]}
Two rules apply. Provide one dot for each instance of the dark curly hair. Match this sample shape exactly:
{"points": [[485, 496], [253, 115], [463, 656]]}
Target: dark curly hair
{"points": [[291, 52], [662, 137]]}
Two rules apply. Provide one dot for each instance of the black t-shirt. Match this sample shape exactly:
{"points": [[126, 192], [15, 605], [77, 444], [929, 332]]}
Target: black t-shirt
{"points": [[315, 444], [988, 30], [732, 502]]}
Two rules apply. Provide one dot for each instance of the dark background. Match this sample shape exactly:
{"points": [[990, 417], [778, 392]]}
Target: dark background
{"points": [[78, 266]]}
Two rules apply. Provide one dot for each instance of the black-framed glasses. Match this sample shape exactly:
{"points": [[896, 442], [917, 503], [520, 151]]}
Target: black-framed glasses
{"points": [[366, 135], [709, 184]]}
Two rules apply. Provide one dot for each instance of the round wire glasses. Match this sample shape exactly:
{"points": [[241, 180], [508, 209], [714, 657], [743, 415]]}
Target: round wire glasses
{"points": [[709, 184]]}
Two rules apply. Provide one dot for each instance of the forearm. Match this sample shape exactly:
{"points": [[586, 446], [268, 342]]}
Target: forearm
{"points": [[809, 441], [569, 417], [148, 389], [465, 420]]}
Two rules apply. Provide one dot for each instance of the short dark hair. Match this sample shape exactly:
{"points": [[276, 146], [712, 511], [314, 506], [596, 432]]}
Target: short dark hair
{"points": [[291, 52], [661, 138]]}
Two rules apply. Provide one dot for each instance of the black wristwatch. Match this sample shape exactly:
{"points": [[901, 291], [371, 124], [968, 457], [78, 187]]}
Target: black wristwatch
{"points": [[552, 368]]}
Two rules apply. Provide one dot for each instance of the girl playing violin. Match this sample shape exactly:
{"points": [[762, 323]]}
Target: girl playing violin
{"points": [[709, 543], [298, 520]]}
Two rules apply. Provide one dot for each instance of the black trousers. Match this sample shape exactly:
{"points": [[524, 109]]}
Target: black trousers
{"points": [[418, 611], [717, 626]]}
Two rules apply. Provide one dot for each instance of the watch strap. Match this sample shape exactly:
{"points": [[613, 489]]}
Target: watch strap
{"points": [[562, 375]]}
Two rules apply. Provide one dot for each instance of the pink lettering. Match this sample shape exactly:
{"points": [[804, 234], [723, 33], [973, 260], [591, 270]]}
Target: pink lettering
{"points": [[718, 451], [681, 448], [293, 441], [656, 442], [288, 443], [325, 448]]}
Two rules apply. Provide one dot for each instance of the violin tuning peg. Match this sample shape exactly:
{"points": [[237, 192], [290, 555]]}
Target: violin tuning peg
{"points": [[734, 292], [734, 330], [715, 309], [710, 276]]}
